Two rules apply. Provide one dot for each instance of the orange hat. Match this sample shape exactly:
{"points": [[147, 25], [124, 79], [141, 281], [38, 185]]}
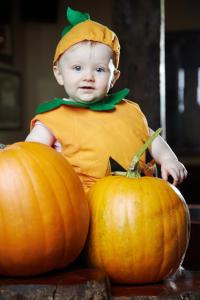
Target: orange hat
{"points": [[81, 29]]}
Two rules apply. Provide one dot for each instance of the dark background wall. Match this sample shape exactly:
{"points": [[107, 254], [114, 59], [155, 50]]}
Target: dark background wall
{"points": [[183, 103]]}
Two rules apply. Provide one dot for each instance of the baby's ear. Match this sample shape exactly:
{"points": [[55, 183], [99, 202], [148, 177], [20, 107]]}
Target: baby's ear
{"points": [[116, 76], [58, 74]]}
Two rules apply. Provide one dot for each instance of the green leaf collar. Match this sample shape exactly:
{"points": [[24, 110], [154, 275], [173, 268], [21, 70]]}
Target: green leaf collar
{"points": [[108, 103]]}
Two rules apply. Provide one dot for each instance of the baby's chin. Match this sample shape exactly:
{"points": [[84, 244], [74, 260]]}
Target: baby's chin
{"points": [[88, 100]]}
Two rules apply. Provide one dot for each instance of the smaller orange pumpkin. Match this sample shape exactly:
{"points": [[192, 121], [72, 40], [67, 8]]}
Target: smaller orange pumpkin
{"points": [[44, 215], [139, 228]]}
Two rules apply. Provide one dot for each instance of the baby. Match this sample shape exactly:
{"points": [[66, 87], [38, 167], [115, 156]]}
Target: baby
{"points": [[90, 126]]}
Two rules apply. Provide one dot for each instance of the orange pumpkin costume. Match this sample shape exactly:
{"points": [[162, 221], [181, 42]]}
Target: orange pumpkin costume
{"points": [[88, 138], [93, 132]]}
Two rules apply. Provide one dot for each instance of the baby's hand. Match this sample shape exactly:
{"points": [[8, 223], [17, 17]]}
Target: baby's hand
{"points": [[174, 168]]}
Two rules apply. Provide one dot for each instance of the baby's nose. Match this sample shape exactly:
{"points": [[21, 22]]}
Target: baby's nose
{"points": [[88, 76]]}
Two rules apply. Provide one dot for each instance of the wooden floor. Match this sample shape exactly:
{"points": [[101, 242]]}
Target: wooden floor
{"points": [[93, 284], [184, 286]]}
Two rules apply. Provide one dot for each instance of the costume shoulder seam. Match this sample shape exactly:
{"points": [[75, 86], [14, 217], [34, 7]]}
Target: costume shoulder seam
{"points": [[132, 103]]}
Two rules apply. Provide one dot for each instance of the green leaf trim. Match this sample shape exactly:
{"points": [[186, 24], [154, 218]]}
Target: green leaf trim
{"points": [[110, 101], [66, 30], [75, 17], [106, 104]]}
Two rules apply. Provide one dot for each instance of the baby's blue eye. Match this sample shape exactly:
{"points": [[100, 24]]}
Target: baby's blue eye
{"points": [[77, 68], [100, 69]]}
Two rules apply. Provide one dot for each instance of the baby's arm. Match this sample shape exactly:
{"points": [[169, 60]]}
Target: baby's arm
{"points": [[41, 134], [170, 165]]}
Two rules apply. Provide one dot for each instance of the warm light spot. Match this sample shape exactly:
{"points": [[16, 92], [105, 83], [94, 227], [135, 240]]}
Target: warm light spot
{"points": [[198, 86], [181, 87]]}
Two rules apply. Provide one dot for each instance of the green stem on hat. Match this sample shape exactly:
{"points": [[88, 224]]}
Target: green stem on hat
{"points": [[134, 170], [74, 17]]}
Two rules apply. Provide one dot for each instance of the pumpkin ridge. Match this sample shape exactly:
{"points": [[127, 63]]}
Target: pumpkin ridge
{"points": [[175, 210], [178, 248], [129, 272], [2, 266], [28, 151], [44, 161], [76, 223], [161, 264], [164, 210], [116, 249], [20, 161], [2, 220], [2, 213], [147, 255], [117, 186], [73, 206], [144, 249], [178, 217], [99, 251], [172, 207], [45, 172]]}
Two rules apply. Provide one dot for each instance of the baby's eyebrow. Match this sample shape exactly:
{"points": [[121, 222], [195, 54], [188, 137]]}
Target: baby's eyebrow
{"points": [[75, 63], [101, 64]]}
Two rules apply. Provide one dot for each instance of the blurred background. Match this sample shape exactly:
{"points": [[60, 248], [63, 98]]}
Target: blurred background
{"points": [[160, 63]]}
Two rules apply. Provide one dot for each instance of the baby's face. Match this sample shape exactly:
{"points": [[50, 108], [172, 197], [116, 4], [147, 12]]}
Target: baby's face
{"points": [[86, 71]]}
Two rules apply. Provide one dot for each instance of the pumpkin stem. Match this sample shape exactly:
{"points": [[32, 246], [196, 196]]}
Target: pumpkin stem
{"points": [[2, 146], [134, 170]]}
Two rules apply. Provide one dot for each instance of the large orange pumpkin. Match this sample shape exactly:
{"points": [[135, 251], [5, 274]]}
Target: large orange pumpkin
{"points": [[44, 215], [139, 228]]}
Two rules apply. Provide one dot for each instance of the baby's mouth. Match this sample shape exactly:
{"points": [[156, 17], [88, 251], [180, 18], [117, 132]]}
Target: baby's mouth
{"points": [[87, 87]]}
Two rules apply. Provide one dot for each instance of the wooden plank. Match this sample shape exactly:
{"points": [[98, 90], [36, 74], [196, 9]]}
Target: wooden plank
{"points": [[91, 284], [82, 284], [184, 286]]}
